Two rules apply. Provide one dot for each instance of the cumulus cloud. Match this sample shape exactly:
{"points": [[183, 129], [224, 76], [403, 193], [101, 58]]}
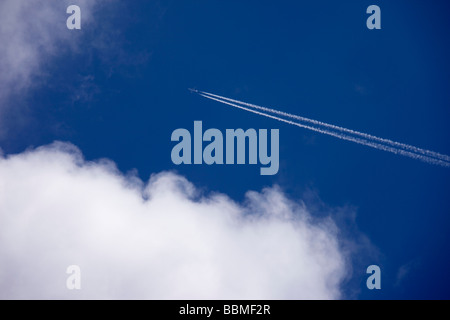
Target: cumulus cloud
{"points": [[162, 239]]}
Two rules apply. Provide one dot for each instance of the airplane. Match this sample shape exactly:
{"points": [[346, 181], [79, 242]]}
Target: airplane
{"points": [[193, 90]]}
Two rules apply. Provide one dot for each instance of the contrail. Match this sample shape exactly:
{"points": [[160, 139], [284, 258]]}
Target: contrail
{"points": [[337, 128], [340, 134]]}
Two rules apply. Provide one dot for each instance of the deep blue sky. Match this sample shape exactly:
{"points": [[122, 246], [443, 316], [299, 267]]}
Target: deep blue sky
{"points": [[312, 58]]}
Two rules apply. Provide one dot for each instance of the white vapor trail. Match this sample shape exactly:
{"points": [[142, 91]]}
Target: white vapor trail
{"points": [[340, 133], [407, 147]]}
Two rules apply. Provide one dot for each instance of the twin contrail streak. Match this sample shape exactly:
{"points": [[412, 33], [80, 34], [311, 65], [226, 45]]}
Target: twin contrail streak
{"points": [[336, 131], [341, 129]]}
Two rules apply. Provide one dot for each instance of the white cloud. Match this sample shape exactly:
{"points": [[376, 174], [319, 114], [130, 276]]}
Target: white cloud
{"points": [[157, 240], [32, 33]]}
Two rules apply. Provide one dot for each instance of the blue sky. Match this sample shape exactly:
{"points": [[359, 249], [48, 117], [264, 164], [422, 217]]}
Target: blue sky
{"points": [[117, 89]]}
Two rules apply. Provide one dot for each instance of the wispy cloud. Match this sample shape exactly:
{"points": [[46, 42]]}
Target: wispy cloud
{"points": [[161, 239], [33, 34], [405, 270]]}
